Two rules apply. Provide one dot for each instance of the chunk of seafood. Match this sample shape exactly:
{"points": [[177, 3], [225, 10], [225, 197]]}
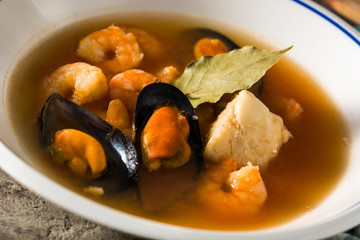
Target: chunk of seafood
{"points": [[118, 116], [111, 49], [293, 110], [81, 82], [82, 153], [158, 95], [197, 34], [149, 44], [127, 85], [226, 192], [59, 113], [164, 139], [185, 164], [209, 47], [247, 131], [168, 74]]}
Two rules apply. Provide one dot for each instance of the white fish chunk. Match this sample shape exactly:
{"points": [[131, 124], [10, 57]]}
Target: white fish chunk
{"points": [[247, 131]]}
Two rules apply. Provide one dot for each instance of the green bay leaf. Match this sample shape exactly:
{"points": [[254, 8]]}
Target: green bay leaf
{"points": [[208, 78]]}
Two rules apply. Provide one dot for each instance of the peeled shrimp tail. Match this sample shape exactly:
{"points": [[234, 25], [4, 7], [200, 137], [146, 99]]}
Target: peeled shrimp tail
{"points": [[80, 82], [227, 193], [127, 85], [111, 49]]}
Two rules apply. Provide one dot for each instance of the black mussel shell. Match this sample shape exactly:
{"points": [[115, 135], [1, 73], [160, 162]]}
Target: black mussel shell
{"points": [[172, 181], [59, 113], [197, 33], [157, 95]]}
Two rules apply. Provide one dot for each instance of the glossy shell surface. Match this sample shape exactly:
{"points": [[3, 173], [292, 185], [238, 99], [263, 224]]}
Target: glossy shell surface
{"points": [[157, 95], [174, 181], [59, 113]]}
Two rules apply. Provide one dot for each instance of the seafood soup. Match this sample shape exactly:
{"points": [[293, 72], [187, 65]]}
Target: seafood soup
{"points": [[103, 108]]}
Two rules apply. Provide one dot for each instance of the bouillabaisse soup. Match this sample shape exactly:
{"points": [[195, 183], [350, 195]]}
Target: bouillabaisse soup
{"points": [[307, 161]]}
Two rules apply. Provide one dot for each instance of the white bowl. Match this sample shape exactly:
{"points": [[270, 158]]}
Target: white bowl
{"points": [[324, 46]]}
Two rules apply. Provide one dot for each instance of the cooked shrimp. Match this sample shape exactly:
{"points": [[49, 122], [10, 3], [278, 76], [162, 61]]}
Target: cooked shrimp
{"points": [[209, 47], [227, 193], [168, 74], [127, 85], [150, 45], [80, 151], [117, 115], [111, 49], [81, 82]]}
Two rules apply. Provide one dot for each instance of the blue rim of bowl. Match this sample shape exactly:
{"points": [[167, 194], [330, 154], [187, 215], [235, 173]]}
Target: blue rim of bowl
{"points": [[330, 20]]}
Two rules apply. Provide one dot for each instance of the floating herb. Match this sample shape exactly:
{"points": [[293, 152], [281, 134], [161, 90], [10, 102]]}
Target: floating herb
{"points": [[208, 78]]}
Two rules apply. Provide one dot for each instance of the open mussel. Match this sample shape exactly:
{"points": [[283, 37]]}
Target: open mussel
{"points": [[161, 107], [59, 113], [195, 34]]}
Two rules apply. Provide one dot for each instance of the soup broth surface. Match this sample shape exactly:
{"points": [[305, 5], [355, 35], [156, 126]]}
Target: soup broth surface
{"points": [[306, 169]]}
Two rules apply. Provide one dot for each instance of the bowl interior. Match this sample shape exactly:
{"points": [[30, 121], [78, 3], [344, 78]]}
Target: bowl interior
{"points": [[324, 47]]}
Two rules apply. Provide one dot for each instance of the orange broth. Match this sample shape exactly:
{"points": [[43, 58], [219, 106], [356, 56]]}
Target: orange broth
{"points": [[298, 179]]}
